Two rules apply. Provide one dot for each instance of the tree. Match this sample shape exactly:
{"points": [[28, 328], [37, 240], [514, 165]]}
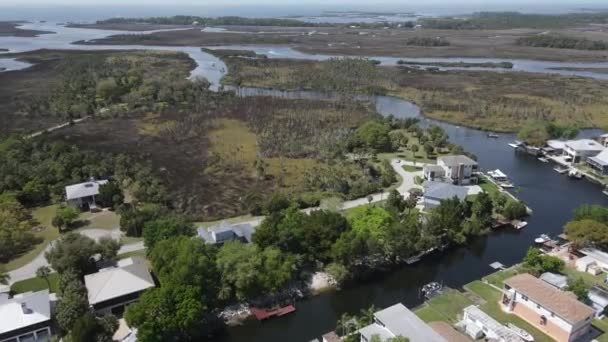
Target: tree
{"points": [[72, 303], [429, 148], [283, 230], [165, 228], [65, 217], [34, 192], [375, 135], [579, 288], [110, 195], [276, 203], [170, 313], [44, 272], [587, 232], [72, 251], [133, 219], [389, 176], [414, 149], [395, 202], [537, 263], [515, 210], [186, 261], [15, 228], [338, 272], [592, 212], [318, 232], [4, 277], [534, 134], [446, 221], [108, 247], [88, 328], [483, 207]]}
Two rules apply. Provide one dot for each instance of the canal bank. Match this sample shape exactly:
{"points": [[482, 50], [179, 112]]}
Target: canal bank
{"points": [[551, 196]]}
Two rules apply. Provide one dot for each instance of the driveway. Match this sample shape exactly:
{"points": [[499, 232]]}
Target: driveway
{"points": [[29, 270]]}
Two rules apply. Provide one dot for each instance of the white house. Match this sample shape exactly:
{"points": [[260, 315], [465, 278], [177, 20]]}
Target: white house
{"points": [[580, 150], [433, 173], [458, 168], [82, 195], [25, 317], [225, 232], [594, 261], [556, 313], [598, 298], [599, 163], [111, 289], [398, 320]]}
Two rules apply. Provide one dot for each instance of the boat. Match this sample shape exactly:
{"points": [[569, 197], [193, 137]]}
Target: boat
{"points": [[263, 314], [520, 224], [514, 145], [543, 159], [432, 289], [520, 332], [500, 178], [561, 169], [575, 174], [542, 239], [493, 135]]}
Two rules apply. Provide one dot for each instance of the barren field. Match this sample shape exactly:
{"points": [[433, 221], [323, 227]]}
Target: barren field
{"points": [[389, 42], [9, 28]]}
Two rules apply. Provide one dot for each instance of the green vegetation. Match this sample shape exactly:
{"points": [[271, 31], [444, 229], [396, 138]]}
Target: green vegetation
{"points": [[446, 307], [37, 284], [510, 20], [537, 133], [589, 227], [537, 263], [558, 41], [427, 41], [473, 98], [223, 53], [210, 21], [73, 253], [500, 65]]}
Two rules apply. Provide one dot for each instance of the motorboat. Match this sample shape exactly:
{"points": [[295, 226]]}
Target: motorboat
{"points": [[493, 135], [431, 289], [561, 169], [575, 174], [520, 224], [543, 159], [520, 332], [500, 178], [542, 239]]}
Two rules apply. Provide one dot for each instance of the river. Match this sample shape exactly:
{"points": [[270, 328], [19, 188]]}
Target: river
{"points": [[552, 197]]}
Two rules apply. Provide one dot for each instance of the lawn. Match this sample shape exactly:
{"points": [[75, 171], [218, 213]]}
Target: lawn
{"points": [[488, 186], [446, 307], [47, 233], [102, 220], [140, 253], [492, 296], [410, 168], [602, 325], [498, 278], [588, 278], [36, 284]]}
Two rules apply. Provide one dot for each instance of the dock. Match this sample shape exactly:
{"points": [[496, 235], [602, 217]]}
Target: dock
{"points": [[263, 314], [498, 266]]}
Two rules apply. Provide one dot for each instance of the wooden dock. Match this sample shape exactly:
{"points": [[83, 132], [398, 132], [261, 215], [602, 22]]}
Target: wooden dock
{"points": [[263, 314]]}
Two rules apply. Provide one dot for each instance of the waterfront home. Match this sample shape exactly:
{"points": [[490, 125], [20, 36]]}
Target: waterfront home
{"points": [[82, 195], [398, 320], [556, 313], [556, 146], [331, 337], [25, 317], [604, 140], [478, 324], [579, 150], [111, 289], [433, 173], [225, 232], [458, 168], [594, 261], [598, 299], [435, 192], [558, 281], [599, 163]]}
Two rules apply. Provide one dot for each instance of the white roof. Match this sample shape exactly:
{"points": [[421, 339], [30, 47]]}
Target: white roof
{"points": [[476, 314], [376, 329], [402, 322], [497, 174], [554, 279], [596, 255], [585, 145], [557, 144], [129, 277], [24, 310], [85, 189], [601, 158], [598, 295], [456, 160]]}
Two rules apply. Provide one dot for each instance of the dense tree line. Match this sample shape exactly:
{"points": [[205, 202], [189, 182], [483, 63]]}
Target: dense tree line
{"points": [[537, 134], [589, 227], [211, 21], [562, 42]]}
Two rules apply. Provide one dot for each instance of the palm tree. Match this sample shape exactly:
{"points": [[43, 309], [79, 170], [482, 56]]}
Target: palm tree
{"points": [[44, 272], [4, 277], [366, 316], [344, 324]]}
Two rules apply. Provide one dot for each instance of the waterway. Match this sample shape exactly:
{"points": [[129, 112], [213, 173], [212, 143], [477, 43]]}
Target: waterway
{"points": [[553, 197]]}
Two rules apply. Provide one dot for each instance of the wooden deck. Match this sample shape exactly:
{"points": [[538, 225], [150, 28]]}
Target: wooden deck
{"points": [[262, 314]]}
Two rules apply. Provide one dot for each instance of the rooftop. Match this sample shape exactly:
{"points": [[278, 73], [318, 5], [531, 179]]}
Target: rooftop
{"points": [[456, 160], [556, 280], [131, 276], [552, 299], [441, 191], [85, 189], [595, 254], [476, 314], [24, 310], [602, 158], [585, 145], [432, 168], [226, 231], [400, 321], [598, 295]]}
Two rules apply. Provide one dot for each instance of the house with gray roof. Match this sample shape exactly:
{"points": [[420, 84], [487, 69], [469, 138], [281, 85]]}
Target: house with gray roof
{"points": [[111, 289], [82, 195], [225, 232], [558, 281], [435, 192], [599, 163], [582, 149], [25, 317], [598, 298], [460, 169], [397, 320]]}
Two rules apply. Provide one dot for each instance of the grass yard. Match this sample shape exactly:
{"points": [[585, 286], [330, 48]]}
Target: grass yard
{"points": [[589, 279], [410, 168], [140, 253], [487, 186], [498, 278], [491, 306], [602, 325], [446, 307], [102, 220], [36, 284]]}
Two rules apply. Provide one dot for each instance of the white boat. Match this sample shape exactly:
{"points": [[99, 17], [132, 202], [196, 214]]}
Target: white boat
{"points": [[521, 332], [521, 224], [561, 169], [574, 173], [506, 185], [542, 239], [513, 145], [543, 159]]}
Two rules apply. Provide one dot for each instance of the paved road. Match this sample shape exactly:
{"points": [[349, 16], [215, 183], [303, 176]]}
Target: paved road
{"points": [[29, 270]]}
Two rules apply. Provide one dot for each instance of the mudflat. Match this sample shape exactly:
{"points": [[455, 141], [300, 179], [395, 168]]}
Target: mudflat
{"points": [[9, 28]]}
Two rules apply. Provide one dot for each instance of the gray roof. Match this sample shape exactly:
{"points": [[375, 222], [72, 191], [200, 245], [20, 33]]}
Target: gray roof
{"points": [[477, 315], [435, 168], [557, 280], [400, 321], [24, 310], [131, 276], [85, 189], [598, 295], [602, 158], [226, 231], [442, 191], [585, 145], [457, 160]]}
